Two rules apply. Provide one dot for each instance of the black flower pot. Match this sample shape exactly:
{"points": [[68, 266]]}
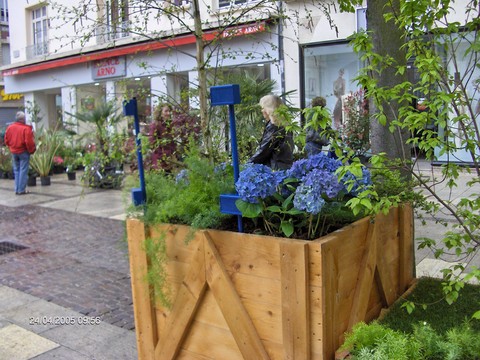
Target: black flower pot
{"points": [[32, 181], [45, 180], [72, 175]]}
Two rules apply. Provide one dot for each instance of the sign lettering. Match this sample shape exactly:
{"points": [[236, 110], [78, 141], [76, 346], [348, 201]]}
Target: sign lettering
{"points": [[108, 68]]}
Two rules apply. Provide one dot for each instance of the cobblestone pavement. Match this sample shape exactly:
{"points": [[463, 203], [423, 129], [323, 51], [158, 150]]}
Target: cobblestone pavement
{"points": [[73, 260]]}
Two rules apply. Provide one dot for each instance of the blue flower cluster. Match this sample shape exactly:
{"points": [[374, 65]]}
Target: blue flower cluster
{"points": [[182, 177], [318, 161], [258, 181], [358, 184], [315, 182]]}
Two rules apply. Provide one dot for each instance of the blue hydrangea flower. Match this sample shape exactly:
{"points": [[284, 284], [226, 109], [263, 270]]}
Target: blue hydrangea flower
{"points": [[257, 181], [309, 196], [182, 177], [359, 183], [318, 161]]}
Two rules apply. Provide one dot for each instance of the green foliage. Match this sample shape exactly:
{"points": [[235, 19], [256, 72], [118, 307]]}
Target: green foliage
{"points": [[190, 198], [5, 159], [156, 251], [427, 303], [104, 159], [47, 142], [439, 109], [377, 341], [104, 117]]}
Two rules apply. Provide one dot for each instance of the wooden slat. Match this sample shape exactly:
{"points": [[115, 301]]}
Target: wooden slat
{"points": [[144, 312], [295, 304], [211, 342], [185, 305], [365, 278], [237, 318], [406, 247], [248, 254], [329, 300]]}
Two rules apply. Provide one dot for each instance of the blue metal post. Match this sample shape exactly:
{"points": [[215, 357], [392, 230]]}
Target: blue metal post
{"points": [[233, 139], [236, 168], [229, 95], [139, 195]]}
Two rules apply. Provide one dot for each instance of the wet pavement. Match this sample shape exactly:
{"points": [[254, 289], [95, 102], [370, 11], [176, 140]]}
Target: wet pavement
{"points": [[73, 261]]}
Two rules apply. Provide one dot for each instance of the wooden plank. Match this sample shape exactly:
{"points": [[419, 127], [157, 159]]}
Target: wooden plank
{"points": [[143, 310], [384, 277], [236, 316], [248, 254], [406, 247], [185, 305], [211, 342], [295, 304], [329, 299], [257, 289], [365, 278]]}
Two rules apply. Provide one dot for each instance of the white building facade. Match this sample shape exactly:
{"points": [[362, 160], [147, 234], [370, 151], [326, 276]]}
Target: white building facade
{"points": [[117, 49]]}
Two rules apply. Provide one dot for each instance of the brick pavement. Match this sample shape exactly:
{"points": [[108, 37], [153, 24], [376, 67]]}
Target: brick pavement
{"points": [[73, 260]]}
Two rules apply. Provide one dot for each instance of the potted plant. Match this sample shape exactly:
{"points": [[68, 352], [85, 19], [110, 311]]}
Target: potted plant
{"points": [[48, 142], [32, 177], [5, 162], [103, 167], [355, 128], [260, 296]]}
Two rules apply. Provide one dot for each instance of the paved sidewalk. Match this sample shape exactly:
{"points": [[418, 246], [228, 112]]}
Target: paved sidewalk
{"points": [[67, 295]]}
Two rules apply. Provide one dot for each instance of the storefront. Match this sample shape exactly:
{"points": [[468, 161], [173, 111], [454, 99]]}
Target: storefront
{"points": [[151, 72]]}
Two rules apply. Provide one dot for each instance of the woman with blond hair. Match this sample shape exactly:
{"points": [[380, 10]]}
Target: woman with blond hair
{"points": [[276, 147]]}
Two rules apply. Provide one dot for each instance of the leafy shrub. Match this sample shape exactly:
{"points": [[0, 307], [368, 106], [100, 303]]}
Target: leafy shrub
{"points": [[190, 197], [377, 341]]}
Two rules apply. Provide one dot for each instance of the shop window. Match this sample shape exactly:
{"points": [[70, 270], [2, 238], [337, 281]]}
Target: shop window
{"points": [[329, 71]]}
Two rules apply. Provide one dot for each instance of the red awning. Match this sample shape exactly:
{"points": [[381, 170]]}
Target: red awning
{"points": [[135, 48]]}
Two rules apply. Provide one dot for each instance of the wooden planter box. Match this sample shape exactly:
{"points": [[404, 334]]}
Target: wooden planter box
{"points": [[243, 296]]}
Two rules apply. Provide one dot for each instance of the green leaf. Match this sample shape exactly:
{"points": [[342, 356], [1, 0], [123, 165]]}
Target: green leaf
{"points": [[409, 306], [248, 210], [287, 228], [274, 208]]}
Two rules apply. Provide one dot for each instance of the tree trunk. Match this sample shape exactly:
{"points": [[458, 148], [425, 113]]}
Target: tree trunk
{"points": [[387, 41], [202, 79]]}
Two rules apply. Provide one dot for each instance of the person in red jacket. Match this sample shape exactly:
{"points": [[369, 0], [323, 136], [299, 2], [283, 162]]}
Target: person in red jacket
{"points": [[21, 142]]}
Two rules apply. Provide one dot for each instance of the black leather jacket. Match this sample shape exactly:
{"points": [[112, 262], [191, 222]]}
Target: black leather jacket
{"points": [[275, 149]]}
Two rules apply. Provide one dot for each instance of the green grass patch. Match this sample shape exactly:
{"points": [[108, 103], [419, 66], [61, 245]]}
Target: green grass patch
{"points": [[431, 308]]}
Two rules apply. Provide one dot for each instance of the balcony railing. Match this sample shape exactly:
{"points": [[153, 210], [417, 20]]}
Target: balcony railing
{"points": [[37, 50], [106, 33]]}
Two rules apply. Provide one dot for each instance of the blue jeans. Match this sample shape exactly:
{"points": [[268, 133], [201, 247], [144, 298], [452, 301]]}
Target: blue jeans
{"points": [[20, 170]]}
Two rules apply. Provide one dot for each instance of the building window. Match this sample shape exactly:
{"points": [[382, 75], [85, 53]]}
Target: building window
{"points": [[3, 10], [117, 18], [113, 20], [228, 3], [40, 32], [179, 2]]}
